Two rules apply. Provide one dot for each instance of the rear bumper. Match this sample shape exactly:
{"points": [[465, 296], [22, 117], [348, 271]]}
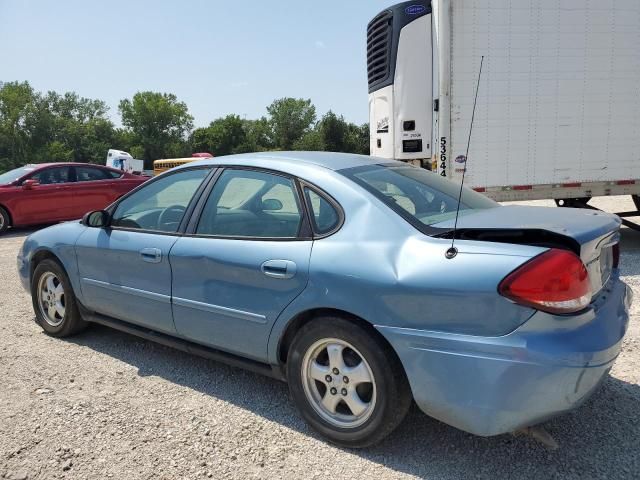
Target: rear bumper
{"points": [[493, 385]]}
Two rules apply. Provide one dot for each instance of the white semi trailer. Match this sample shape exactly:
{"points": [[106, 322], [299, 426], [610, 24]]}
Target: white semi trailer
{"points": [[558, 112], [124, 161]]}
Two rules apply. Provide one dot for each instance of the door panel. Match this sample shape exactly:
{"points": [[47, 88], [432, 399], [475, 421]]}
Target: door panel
{"points": [[93, 190], [118, 280], [227, 293], [51, 201], [89, 196], [124, 269]]}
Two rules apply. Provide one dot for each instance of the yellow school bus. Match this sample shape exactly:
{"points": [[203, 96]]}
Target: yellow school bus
{"points": [[165, 164]]}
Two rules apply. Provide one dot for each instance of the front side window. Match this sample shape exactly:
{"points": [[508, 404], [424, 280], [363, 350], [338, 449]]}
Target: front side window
{"points": [[422, 197], [161, 204], [50, 176], [246, 203], [324, 215]]}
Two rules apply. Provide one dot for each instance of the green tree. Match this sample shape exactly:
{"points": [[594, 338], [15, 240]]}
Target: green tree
{"points": [[334, 130], [80, 126], [334, 134], [38, 128], [223, 136], [159, 122], [53, 127], [18, 107], [357, 139], [290, 119], [259, 136], [310, 141]]}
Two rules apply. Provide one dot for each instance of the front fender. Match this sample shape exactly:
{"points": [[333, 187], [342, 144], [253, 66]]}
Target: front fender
{"points": [[59, 241]]}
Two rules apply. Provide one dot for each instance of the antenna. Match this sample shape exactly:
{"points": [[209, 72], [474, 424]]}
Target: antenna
{"points": [[452, 251]]}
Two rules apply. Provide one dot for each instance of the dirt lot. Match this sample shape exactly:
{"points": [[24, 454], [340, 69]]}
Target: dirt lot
{"points": [[108, 405]]}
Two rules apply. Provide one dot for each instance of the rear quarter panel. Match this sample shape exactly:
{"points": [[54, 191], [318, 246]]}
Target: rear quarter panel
{"points": [[379, 268], [125, 185]]}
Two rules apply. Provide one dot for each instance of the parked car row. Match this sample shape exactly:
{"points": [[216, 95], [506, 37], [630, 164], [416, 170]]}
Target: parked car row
{"points": [[54, 192]]}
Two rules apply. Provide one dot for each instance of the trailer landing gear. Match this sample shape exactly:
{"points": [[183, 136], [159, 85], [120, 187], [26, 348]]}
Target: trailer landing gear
{"points": [[584, 203]]}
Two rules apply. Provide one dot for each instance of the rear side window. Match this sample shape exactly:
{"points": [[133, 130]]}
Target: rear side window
{"points": [[91, 174], [323, 215], [422, 197], [251, 204], [238, 190]]}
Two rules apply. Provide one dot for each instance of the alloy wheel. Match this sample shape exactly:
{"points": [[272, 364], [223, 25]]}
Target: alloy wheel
{"points": [[51, 299], [338, 383]]}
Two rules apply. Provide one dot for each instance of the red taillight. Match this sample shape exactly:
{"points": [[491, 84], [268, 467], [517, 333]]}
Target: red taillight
{"points": [[615, 252], [556, 282]]}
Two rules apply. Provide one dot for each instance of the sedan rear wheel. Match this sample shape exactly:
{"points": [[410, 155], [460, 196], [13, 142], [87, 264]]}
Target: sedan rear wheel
{"points": [[347, 382], [54, 302], [338, 383]]}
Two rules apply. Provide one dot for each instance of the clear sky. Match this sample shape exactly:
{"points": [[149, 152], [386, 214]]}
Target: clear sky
{"points": [[219, 57]]}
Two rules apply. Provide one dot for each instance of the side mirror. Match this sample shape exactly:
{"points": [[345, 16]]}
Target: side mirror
{"points": [[271, 204], [30, 183], [96, 219]]}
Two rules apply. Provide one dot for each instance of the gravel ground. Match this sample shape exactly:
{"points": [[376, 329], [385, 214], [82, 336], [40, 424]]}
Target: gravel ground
{"points": [[109, 405]]}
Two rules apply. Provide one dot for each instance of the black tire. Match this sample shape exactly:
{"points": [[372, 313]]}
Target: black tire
{"points": [[5, 220], [393, 395], [71, 322]]}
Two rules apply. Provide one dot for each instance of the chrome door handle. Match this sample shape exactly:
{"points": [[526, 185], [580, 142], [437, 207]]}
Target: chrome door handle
{"points": [[279, 268], [151, 255]]}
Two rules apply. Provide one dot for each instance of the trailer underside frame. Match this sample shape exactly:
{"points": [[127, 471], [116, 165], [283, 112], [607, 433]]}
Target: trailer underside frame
{"points": [[584, 203]]}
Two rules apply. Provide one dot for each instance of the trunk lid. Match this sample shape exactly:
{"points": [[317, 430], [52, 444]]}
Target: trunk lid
{"points": [[589, 233]]}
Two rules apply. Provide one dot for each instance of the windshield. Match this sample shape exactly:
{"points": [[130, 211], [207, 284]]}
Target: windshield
{"points": [[418, 195], [15, 174]]}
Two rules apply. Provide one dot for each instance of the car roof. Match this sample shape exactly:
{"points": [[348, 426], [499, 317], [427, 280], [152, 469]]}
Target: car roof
{"points": [[64, 164], [329, 160]]}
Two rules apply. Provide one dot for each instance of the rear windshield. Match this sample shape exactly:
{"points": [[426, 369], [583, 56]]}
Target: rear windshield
{"points": [[418, 195], [15, 174]]}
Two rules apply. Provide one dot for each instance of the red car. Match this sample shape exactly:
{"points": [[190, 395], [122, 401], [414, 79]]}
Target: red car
{"points": [[53, 192]]}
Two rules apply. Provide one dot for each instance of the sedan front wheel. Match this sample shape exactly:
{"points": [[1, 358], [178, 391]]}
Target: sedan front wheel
{"points": [[54, 302], [347, 383]]}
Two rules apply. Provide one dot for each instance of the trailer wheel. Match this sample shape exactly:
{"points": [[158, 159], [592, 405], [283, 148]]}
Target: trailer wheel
{"points": [[573, 202]]}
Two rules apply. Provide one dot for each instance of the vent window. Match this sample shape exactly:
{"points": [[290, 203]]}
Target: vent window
{"points": [[379, 48]]}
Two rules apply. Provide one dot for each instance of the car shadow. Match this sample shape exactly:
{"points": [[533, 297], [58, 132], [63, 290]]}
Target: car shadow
{"points": [[21, 232], [629, 251], [14, 232], [595, 440]]}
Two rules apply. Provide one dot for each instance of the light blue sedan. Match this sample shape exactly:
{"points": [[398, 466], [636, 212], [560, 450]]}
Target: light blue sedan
{"points": [[335, 272]]}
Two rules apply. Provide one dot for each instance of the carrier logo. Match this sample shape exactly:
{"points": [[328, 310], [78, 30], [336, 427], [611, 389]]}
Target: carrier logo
{"points": [[415, 9], [460, 159], [383, 125]]}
